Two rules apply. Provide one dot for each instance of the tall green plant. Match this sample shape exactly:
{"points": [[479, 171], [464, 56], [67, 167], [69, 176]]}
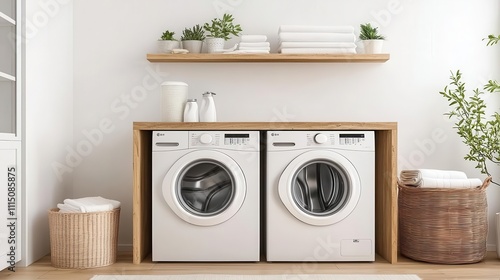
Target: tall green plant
{"points": [[479, 132]]}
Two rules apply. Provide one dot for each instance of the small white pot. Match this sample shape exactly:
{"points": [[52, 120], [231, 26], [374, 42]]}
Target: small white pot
{"points": [[193, 46], [215, 45], [373, 46], [166, 46]]}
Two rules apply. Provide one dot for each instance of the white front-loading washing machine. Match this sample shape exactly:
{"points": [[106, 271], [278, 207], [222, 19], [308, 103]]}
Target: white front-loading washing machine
{"points": [[320, 196], [205, 196]]}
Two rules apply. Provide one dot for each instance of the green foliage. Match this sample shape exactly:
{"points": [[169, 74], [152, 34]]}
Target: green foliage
{"points": [[480, 133], [492, 40], [195, 33], [368, 32], [167, 36], [222, 28]]}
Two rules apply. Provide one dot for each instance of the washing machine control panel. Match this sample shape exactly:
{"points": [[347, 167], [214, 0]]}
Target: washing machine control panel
{"points": [[336, 138], [228, 139]]}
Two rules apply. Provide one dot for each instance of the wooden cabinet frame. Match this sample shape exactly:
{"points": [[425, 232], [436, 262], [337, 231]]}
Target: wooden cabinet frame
{"points": [[386, 233]]}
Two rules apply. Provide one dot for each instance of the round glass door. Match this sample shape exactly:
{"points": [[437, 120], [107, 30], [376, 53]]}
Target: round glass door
{"points": [[320, 187], [204, 188]]}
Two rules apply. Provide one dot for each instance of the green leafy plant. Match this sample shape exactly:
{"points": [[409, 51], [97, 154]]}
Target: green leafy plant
{"points": [[481, 133], [195, 33], [368, 32], [167, 36], [222, 27]]}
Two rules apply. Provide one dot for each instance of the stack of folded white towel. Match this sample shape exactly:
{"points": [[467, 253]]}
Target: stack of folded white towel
{"points": [[253, 44], [310, 39], [88, 204], [433, 178]]}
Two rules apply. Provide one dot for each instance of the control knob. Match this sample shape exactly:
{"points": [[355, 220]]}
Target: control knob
{"points": [[320, 138], [206, 139]]}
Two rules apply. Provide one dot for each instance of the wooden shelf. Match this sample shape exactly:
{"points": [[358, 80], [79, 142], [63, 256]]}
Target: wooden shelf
{"points": [[386, 220], [272, 57]]}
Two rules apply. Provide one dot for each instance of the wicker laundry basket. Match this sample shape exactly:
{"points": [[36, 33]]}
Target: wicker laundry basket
{"points": [[439, 225], [83, 240]]}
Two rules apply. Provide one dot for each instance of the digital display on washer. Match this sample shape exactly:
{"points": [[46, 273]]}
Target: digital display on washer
{"points": [[233, 135], [351, 138], [236, 138]]}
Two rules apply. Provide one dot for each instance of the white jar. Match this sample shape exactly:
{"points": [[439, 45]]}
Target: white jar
{"points": [[174, 96], [207, 108], [191, 111]]}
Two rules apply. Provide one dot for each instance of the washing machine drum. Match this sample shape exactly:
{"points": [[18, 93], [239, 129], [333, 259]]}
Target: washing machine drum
{"points": [[320, 187], [204, 188]]}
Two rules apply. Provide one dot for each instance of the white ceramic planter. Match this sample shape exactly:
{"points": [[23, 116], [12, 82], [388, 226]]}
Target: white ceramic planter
{"points": [[373, 46], [193, 46], [215, 45], [167, 46]]}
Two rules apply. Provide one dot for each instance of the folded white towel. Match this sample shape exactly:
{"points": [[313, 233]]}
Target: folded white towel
{"points": [[255, 45], [316, 28], [316, 37], [255, 48], [414, 177], [450, 183], [92, 204], [316, 45], [65, 208], [318, 50], [253, 38]]}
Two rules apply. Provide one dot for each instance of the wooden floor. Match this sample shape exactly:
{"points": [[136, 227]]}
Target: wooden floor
{"points": [[487, 269]]}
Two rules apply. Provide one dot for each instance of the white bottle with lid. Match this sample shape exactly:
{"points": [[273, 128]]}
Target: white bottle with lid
{"points": [[207, 108], [191, 111]]}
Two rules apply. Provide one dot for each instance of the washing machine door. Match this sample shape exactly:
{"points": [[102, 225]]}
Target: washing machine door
{"points": [[204, 188], [320, 187]]}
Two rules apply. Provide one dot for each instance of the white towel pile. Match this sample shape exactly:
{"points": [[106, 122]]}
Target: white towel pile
{"points": [[310, 39], [253, 44], [433, 178], [87, 204]]}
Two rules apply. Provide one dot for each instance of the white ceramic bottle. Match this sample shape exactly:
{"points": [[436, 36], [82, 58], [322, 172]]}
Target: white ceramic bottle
{"points": [[207, 108], [191, 111]]}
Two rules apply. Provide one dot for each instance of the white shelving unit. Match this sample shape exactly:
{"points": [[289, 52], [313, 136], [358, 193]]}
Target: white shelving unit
{"points": [[10, 131], [10, 59]]}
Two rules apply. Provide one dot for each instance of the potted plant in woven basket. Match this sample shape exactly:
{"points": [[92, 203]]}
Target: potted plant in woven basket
{"points": [[480, 132]]}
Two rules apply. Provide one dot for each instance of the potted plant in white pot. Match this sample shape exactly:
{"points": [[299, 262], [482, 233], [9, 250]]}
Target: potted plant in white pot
{"points": [[167, 43], [192, 39], [372, 40], [481, 133], [219, 31]]}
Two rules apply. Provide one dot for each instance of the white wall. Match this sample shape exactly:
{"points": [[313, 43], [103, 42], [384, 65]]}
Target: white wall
{"points": [[114, 84], [48, 118]]}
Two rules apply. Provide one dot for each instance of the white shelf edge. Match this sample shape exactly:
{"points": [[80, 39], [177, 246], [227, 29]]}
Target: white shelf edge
{"points": [[6, 77], [8, 137], [5, 18]]}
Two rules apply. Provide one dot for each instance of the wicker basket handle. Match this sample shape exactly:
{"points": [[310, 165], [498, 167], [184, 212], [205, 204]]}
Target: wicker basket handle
{"points": [[486, 183]]}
